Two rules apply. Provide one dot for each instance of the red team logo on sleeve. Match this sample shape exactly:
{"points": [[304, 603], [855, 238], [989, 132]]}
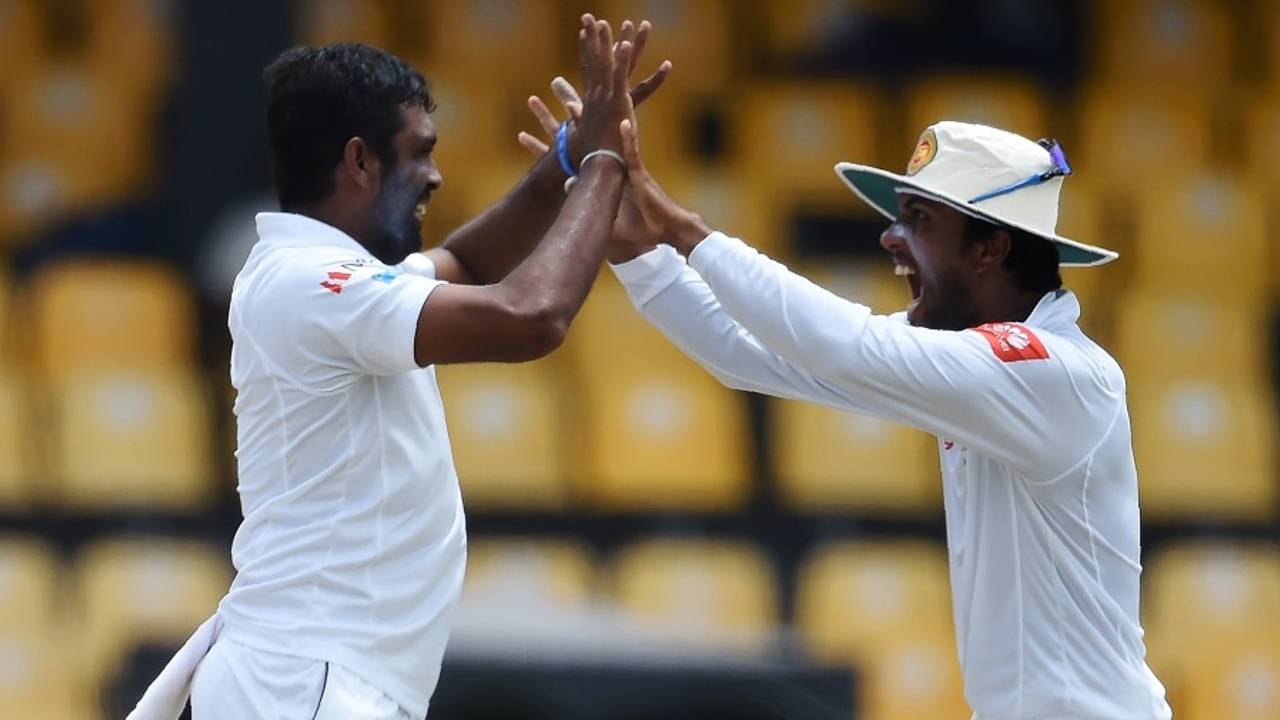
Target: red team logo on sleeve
{"points": [[334, 283], [1013, 342]]}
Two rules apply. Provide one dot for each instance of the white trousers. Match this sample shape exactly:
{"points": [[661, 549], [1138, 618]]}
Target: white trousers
{"points": [[236, 682]]}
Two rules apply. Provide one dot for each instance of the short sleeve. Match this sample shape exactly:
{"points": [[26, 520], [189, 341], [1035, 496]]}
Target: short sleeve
{"points": [[418, 264], [364, 316]]}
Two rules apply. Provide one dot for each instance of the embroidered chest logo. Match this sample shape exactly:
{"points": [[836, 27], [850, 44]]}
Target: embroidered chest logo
{"points": [[335, 281], [1013, 342]]}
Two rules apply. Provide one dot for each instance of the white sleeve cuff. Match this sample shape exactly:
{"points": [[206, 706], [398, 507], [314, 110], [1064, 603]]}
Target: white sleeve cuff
{"points": [[419, 264], [649, 274], [712, 248]]}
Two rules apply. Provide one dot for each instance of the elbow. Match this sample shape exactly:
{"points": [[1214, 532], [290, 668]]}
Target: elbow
{"points": [[544, 328]]}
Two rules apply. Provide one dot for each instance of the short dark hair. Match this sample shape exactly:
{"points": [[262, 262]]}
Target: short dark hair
{"points": [[319, 98], [1032, 261]]}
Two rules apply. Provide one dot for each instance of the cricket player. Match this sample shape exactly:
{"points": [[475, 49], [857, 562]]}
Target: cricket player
{"points": [[1040, 487], [352, 550]]}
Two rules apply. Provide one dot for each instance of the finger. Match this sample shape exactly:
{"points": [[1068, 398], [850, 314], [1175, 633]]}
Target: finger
{"points": [[565, 92], [642, 37], [587, 52], [626, 33], [621, 62], [604, 46], [631, 147], [649, 85], [532, 144], [575, 110], [545, 118]]}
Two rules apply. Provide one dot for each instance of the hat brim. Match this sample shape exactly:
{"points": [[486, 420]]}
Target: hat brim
{"points": [[880, 189]]}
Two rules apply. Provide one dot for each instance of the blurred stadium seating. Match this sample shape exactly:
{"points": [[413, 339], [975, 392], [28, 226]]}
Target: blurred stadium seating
{"points": [[616, 476]]}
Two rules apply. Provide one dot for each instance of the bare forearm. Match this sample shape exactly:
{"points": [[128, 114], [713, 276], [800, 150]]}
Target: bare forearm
{"points": [[493, 243], [558, 274]]}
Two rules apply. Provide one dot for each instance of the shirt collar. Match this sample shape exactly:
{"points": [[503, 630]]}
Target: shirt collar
{"points": [[1057, 309], [283, 229]]}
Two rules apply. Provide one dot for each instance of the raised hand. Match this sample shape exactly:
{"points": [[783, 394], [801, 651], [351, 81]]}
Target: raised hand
{"points": [[572, 103], [604, 82]]}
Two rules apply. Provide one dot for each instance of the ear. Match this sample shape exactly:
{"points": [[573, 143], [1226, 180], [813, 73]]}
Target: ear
{"points": [[360, 164], [993, 249]]}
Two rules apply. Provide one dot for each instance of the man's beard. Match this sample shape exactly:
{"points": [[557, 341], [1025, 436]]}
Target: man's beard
{"points": [[398, 234], [950, 305]]}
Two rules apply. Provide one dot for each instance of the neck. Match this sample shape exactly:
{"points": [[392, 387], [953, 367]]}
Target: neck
{"points": [[331, 215], [1015, 307]]}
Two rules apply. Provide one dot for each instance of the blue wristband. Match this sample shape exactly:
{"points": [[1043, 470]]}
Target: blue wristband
{"points": [[562, 150]]}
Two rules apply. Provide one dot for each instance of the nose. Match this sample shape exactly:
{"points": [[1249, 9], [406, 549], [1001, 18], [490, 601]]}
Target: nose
{"points": [[892, 238], [435, 180]]}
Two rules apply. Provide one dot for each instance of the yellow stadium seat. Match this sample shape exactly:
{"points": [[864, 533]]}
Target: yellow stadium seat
{"points": [[1236, 680], [1203, 232], [834, 460], [69, 117], [30, 591], [507, 425], [17, 459], [529, 577], [34, 191], [1203, 603], [885, 607], [20, 42], [1261, 144], [698, 589], [1010, 103], [476, 128], [323, 22], [854, 599], [721, 198], [916, 676], [128, 591], [95, 315], [124, 440], [1179, 43], [658, 432], [511, 43], [1164, 335], [1205, 447], [790, 31], [788, 136], [1081, 217], [1131, 136], [133, 43], [35, 682], [695, 35]]}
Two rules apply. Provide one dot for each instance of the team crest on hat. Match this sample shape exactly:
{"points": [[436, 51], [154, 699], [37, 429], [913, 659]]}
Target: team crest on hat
{"points": [[926, 148]]}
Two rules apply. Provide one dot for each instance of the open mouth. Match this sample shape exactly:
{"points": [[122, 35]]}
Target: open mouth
{"points": [[420, 210], [913, 283]]}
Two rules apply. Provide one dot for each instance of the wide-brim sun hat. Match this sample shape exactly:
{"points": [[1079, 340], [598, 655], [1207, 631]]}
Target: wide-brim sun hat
{"points": [[985, 172]]}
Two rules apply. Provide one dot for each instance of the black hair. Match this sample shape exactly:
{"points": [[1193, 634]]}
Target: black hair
{"points": [[319, 98], [1032, 261]]}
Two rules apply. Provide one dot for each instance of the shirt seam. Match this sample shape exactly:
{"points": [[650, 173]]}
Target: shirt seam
{"points": [[1088, 456]]}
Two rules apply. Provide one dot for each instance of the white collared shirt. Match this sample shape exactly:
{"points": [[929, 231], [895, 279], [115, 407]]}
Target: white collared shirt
{"points": [[353, 546], [1040, 487]]}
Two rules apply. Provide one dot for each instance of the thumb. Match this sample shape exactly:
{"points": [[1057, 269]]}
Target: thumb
{"points": [[631, 148]]}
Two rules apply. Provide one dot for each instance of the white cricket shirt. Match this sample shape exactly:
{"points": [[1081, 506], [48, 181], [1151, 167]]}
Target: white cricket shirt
{"points": [[1041, 492], [353, 546]]}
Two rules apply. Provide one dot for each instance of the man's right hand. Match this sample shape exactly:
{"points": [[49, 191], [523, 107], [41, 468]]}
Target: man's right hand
{"points": [[606, 100], [648, 216]]}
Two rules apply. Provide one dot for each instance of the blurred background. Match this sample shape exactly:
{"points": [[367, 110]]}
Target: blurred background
{"points": [[644, 542]]}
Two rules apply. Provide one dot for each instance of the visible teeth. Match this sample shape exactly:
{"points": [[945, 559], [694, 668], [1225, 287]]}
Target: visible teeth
{"points": [[903, 270], [420, 211]]}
